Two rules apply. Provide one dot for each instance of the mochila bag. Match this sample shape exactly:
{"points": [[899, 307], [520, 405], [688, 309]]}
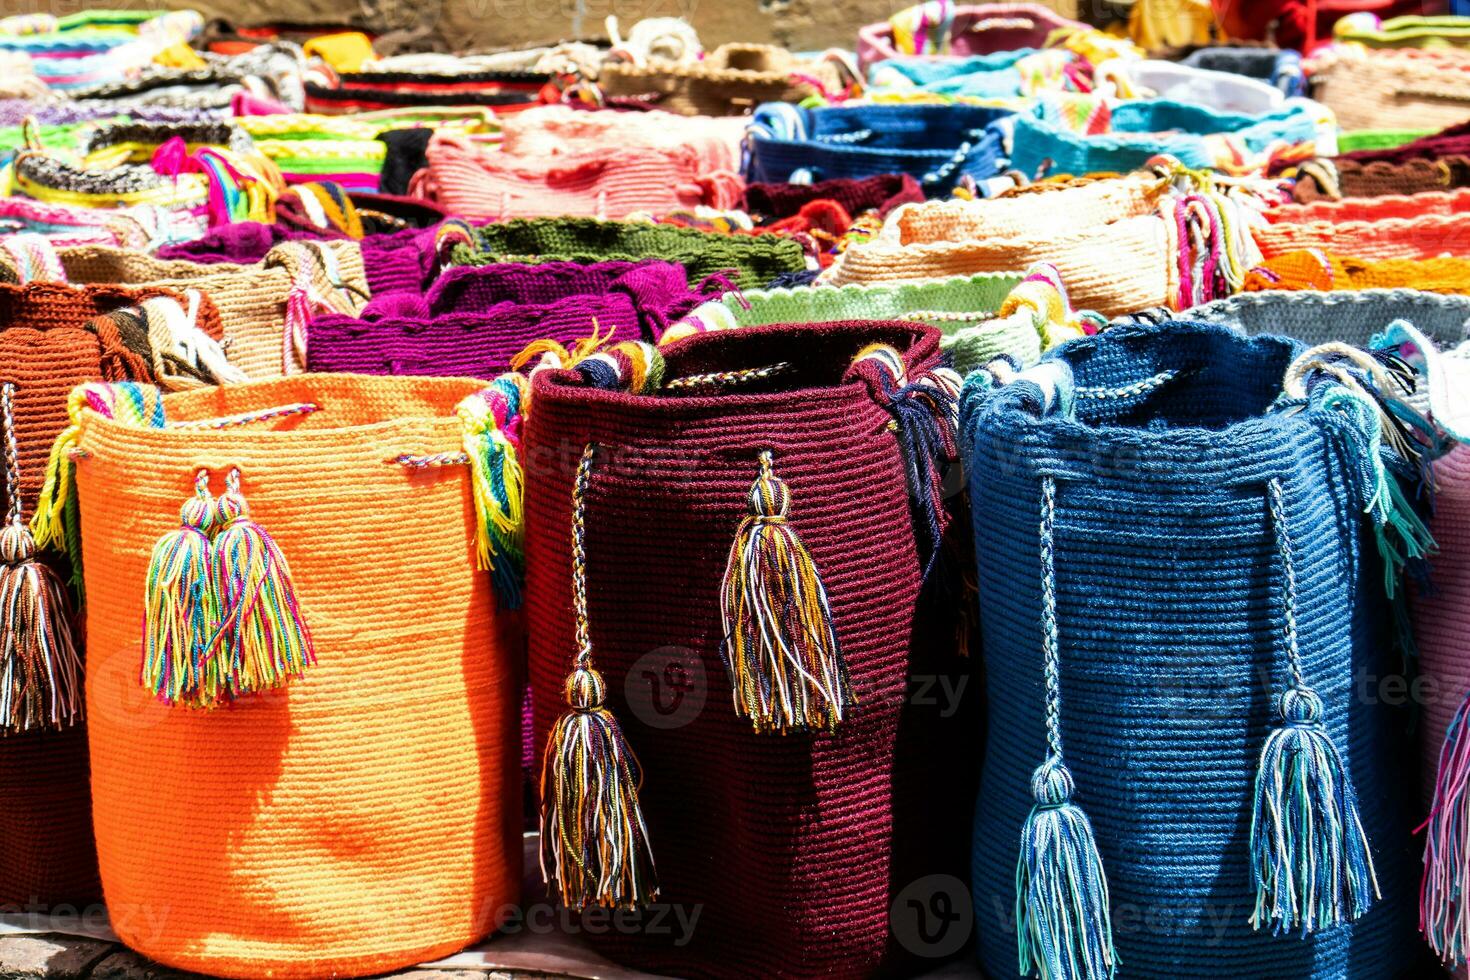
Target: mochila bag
{"points": [[724, 443], [935, 144], [1337, 177], [1327, 271], [265, 307], [731, 80], [1277, 67], [942, 29], [1395, 226], [1416, 89], [981, 317], [749, 260], [482, 340], [55, 338], [268, 745], [1175, 529]]}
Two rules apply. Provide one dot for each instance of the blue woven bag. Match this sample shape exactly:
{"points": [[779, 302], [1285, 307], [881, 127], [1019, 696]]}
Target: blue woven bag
{"points": [[1179, 592], [935, 144], [1141, 130]]}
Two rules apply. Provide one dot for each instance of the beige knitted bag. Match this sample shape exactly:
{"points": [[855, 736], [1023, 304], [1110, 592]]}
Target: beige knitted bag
{"points": [[1407, 88], [730, 81]]}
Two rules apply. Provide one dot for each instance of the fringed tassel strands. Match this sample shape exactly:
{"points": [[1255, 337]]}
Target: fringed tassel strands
{"points": [[594, 844], [262, 641], [1309, 855], [1063, 921], [40, 671], [779, 646], [180, 605], [1444, 899]]}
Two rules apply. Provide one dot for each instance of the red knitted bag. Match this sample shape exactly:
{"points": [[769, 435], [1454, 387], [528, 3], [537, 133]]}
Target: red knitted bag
{"points": [[643, 508], [54, 339]]}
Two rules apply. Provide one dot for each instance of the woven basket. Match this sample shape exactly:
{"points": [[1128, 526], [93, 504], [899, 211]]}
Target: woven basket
{"points": [[374, 804], [252, 300], [50, 344], [729, 81], [1171, 623], [752, 260], [1339, 177], [828, 828], [976, 29]]}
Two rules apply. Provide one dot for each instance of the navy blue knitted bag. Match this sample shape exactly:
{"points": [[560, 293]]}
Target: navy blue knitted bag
{"points": [[1180, 592], [937, 145]]}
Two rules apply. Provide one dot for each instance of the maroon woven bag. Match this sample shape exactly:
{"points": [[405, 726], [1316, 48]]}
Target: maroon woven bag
{"points": [[54, 339], [776, 854]]}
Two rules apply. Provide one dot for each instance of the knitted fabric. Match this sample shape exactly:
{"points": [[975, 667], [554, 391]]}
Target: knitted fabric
{"points": [[51, 342], [976, 29], [1350, 317], [1375, 140], [937, 145], [828, 828], [729, 81], [551, 130], [1417, 226], [479, 182], [882, 193], [1412, 89], [1219, 90], [1338, 177], [308, 805], [1325, 271], [477, 289], [1196, 136], [471, 335], [749, 260], [405, 156], [1404, 32], [1451, 141], [1169, 606]]}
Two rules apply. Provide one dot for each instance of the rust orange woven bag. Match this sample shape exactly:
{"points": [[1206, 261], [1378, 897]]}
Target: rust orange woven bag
{"points": [[366, 815], [53, 339]]}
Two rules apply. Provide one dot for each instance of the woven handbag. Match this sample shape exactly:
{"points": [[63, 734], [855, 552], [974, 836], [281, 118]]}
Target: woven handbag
{"points": [[752, 260], [54, 338], [941, 29], [264, 307], [550, 130], [768, 203], [1315, 269], [731, 80], [937, 145], [1338, 177], [1197, 136], [363, 783], [470, 335], [1279, 68], [1394, 226], [829, 825], [1415, 89], [476, 180], [1177, 573], [982, 317]]}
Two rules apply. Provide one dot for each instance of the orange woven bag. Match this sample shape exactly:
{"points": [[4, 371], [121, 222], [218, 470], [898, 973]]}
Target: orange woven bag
{"points": [[366, 816]]}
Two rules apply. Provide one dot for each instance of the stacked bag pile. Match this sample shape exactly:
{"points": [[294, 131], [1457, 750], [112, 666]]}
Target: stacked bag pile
{"points": [[1015, 454]]}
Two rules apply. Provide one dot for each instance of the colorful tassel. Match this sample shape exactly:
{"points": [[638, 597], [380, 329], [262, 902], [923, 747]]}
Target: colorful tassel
{"points": [[1064, 924], [780, 647], [594, 843], [40, 670], [1444, 914], [1309, 854], [262, 640], [491, 422], [180, 606]]}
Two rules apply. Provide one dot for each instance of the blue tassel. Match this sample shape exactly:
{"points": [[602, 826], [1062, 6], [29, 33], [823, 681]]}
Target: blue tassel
{"points": [[1309, 854], [1062, 915]]}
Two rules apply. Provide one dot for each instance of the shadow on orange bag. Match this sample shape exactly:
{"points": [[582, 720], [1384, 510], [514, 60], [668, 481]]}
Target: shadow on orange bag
{"points": [[364, 815]]}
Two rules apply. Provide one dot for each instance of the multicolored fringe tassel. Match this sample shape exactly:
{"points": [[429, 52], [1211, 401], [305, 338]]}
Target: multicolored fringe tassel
{"points": [[780, 647], [262, 640], [594, 843], [180, 604], [1309, 854], [1444, 896], [56, 522], [40, 671], [1064, 925], [491, 421]]}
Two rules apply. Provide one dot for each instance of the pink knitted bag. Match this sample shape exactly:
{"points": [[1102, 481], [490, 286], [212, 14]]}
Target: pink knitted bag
{"points": [[474, 180], [1396, 226]]}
